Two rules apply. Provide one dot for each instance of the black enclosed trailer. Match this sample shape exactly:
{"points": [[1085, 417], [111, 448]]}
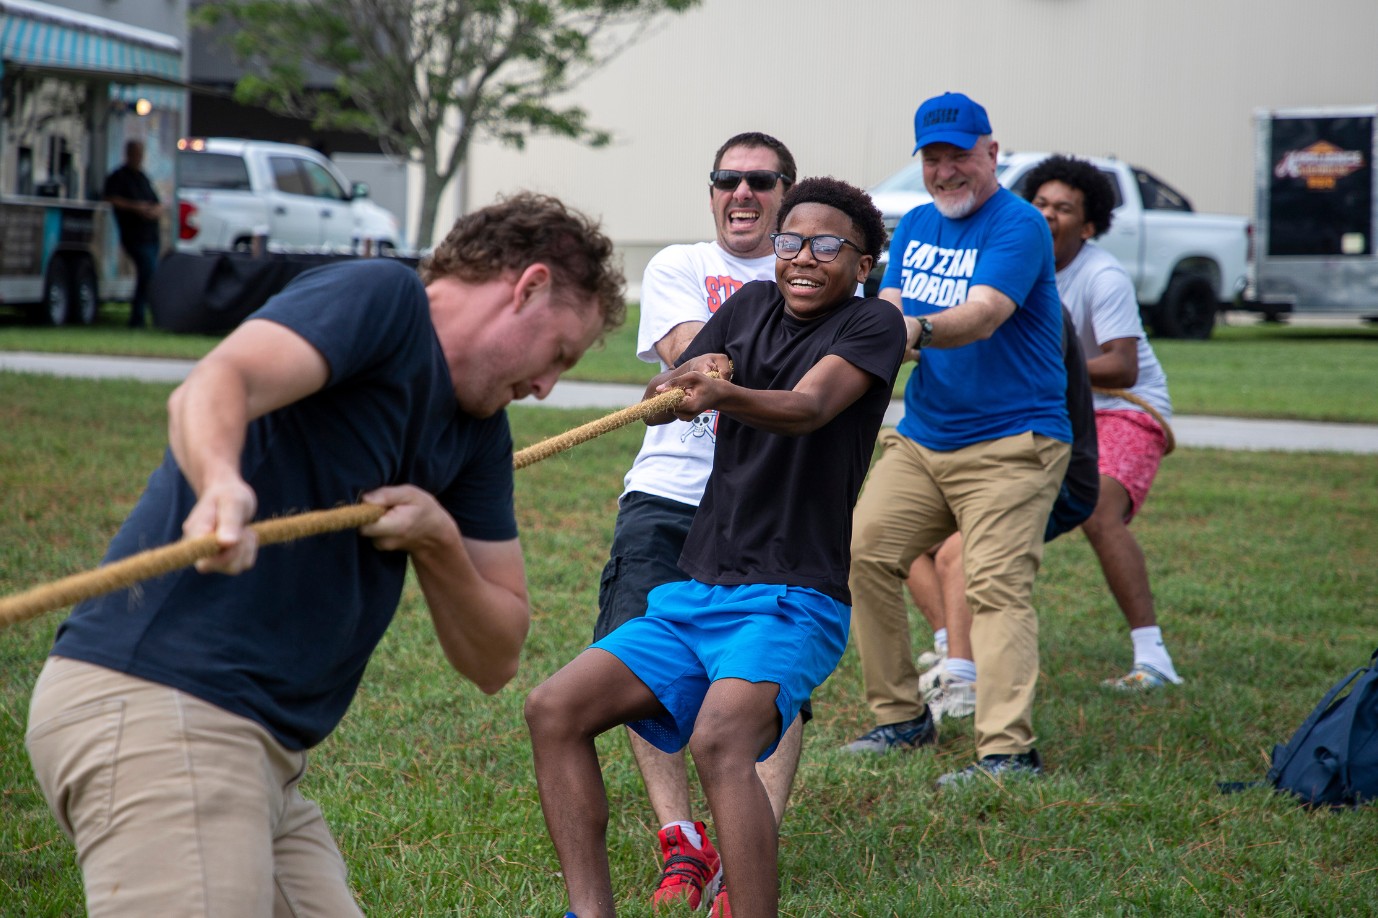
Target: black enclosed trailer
{"points": [[1316, 214]]}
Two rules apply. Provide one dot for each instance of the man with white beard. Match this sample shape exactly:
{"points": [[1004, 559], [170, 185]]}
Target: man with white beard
{"points": [[982, 446]]}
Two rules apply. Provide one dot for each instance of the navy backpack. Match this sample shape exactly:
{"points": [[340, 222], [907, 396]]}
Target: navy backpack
{"points": [[1332, 759]]}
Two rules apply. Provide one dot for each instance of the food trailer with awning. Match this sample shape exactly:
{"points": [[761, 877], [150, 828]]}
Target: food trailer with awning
{"points": [[75, 88]]}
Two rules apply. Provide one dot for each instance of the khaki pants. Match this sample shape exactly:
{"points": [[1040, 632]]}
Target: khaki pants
{"points": [[176, 806], [998, 494]]}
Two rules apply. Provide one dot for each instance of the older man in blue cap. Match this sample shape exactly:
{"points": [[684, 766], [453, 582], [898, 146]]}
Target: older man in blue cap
{"points": [[981, 448]]}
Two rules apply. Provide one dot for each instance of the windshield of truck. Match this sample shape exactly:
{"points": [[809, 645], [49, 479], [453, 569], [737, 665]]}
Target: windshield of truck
{"points": [[212, 170], [910, 178], [1159, 195], [322, 183]]}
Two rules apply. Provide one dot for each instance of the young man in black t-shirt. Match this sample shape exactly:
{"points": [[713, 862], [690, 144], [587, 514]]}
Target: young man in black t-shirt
{"points": [[723, 661]]}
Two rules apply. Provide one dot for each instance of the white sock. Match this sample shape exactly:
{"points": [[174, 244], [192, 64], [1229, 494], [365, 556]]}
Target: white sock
{"points": [[961, 670], [690, 831], [1149, 649], [940, 641]]}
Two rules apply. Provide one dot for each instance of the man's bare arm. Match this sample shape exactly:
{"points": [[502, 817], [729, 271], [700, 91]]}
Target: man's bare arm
{"points": [[1117, 365], [984, 311], [821, 395], [260, 367], [475, 590], [676, 340]]}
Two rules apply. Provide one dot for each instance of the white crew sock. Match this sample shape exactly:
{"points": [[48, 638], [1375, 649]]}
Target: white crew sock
{"points": [[690, 831], [961, 670], [1149, 649], [940, 641]]}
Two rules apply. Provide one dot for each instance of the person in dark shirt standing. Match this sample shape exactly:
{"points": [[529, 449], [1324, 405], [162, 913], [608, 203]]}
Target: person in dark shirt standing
{"points": [[137, 212]]}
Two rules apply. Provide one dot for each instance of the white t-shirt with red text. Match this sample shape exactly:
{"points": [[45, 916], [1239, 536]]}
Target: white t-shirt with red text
{"points": [[684, 283]]}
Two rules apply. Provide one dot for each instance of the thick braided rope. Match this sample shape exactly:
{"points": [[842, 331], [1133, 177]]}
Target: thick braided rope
{"points": [[570, 438], [158, 561], [1169, 441]]}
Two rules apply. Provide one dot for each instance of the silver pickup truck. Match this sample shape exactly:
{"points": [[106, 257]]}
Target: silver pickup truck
{"points": [[1185, 265]]}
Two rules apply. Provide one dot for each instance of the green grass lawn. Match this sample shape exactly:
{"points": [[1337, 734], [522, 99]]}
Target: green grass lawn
{"points": [[109, 335], [1275, 371], [1262, 564], [1260, 371]]}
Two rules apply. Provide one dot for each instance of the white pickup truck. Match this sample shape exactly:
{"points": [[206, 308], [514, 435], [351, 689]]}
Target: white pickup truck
{"points": [[1185, 264], [230, 191]]}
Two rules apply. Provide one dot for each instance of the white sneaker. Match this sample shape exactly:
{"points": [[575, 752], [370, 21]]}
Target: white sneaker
{"points": [[929, 659], [954, 699], [928, 682]]}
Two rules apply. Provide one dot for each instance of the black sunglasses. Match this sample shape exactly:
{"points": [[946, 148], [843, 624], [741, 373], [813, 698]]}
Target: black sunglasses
{"points": [[825, 247], [756, 179]]}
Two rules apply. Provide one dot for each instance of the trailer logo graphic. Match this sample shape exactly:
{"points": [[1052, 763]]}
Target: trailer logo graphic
{"points": [[1322, 165]]}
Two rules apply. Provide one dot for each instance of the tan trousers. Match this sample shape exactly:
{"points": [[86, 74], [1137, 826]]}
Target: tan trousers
{"points": [[998, 494], [176, 806]]}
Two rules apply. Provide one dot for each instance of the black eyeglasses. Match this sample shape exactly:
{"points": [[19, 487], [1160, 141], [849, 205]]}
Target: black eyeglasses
{"points": [[756, 179], [824, 247]]}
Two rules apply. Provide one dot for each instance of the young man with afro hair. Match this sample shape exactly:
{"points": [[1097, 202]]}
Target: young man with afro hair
{"points": [[800, 371], [1077, 201]]}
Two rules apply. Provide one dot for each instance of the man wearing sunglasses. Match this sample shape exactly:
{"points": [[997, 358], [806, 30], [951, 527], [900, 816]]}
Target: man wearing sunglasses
{"points": [[982, 446], [683, 286]]}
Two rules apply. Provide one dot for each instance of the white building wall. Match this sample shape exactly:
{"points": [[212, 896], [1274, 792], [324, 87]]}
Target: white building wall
{"points": [[1167, 84]]}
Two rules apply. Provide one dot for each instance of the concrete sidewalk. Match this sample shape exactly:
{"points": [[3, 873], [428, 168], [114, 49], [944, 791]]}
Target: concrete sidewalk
{"points": [[1190, 430]]}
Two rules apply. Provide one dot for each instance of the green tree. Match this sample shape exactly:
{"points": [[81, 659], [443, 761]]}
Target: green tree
{"points": [[426, 77]]}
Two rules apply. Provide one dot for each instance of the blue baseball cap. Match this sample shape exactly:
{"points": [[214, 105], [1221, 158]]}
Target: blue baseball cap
{"points": [[950, 118]]}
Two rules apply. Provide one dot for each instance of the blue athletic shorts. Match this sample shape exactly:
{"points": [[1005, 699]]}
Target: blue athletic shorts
{"points": [[693, 634]]}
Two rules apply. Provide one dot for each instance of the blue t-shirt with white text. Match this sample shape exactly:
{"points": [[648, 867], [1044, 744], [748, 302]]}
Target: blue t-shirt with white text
{"points": [[1013, 381]]}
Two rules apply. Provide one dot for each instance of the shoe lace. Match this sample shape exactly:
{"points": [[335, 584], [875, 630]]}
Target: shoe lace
{"points": [[684, 868]]}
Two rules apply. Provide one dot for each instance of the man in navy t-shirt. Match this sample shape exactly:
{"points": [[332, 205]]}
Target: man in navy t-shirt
{"points": [[168, 729], [981, 448]]}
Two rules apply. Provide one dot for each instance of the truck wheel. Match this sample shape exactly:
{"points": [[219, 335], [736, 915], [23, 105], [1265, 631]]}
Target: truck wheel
{"points": [[57, 294], [85, 295], [1187, 309]]}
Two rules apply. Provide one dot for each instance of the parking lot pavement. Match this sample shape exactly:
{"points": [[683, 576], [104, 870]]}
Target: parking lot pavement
{"points": [[1190, 430], [1321, 320]]}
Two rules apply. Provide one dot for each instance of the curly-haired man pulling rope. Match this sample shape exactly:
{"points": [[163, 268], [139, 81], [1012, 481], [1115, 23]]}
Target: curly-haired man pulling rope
{"points": [[358, 379]]}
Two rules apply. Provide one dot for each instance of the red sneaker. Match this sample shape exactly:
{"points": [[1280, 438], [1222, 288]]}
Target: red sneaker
{"points": [[688, 872], [721, 908]]}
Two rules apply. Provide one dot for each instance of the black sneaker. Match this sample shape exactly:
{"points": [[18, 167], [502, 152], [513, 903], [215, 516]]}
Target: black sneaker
{"points": [[905, 736], [1019, 765]]}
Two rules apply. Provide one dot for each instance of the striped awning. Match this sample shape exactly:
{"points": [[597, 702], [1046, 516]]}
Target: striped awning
{"points": [[45, 36]]}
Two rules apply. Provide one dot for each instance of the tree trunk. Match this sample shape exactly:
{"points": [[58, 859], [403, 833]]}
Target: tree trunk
{"points": [[434, 185], [430, 206]]}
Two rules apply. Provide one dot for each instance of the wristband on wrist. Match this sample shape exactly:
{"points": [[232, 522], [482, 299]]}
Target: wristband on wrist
{"points": [[925, 332]]}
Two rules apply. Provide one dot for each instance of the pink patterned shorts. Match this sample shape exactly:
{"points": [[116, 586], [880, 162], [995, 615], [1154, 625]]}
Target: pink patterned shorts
{"points": [[1131, 447]]}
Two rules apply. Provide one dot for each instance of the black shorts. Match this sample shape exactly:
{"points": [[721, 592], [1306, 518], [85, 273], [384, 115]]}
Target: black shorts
{"points": [[646, 543], [1068, 513], [647, 540]]}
